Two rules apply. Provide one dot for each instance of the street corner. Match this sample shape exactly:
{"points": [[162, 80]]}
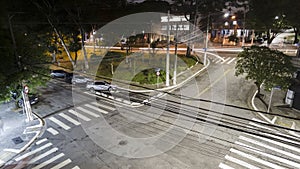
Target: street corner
{"points": [[19, 134]]}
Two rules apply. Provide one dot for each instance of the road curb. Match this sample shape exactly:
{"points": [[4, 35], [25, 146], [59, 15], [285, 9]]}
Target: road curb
{"points": [[267, 119]]}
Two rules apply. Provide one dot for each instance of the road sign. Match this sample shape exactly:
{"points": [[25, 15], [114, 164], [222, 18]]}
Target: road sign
{"points": [[26, 89], [158, 73]]}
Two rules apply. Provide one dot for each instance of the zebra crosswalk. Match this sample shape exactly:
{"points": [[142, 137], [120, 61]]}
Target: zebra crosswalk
{"points": [[74, 117], [43, 155], [224, 60], [277, 151]]}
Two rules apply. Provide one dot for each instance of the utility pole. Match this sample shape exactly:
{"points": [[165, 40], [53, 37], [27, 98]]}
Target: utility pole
{"points": [[168, 52], [175, 62], [244, 25]]}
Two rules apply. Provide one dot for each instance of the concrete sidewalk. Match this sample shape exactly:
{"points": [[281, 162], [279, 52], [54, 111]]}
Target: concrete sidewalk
{"points": [[15, 132], [279, 114]]}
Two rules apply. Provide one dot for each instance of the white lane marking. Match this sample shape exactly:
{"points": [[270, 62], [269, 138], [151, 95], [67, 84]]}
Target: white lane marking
{"points": [[278, 143], [245, 145], [35, 159], [76, 167], [282, 160], [62, 164], [41, 141], [233, 59], [45, 163], [1, 162], [75, 122], [87, 112], [269, 147], [61, 124], [224, 166], [104, 106], [96, 108], [80, 115], [225, 60], [52, 131], [260, 126], [266, 163], [240, 162], [33, 152], [219, 61], [12, 150]]}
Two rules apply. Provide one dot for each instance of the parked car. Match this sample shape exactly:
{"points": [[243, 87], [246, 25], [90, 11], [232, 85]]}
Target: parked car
{"points": [[58, 73], [100, 86], [33, 99], [77, 79]]}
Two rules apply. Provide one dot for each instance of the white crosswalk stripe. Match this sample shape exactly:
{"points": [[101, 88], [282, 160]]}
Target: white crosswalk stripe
{"points": [[51, 160], [227, 60], [52, 131], [58, 122], [41, 141], [103, 106], [233, 59], [87, 112], [96, 108], [224, 166], [33, 152], [79, 115], [35, 159], [251, 157], [76, 167], [273, 151], [75, 122], [62, 164], [240, 162]]}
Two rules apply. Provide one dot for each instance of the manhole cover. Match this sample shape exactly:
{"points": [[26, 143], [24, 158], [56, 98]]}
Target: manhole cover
{"points": [[17, 140], [122, 142]]}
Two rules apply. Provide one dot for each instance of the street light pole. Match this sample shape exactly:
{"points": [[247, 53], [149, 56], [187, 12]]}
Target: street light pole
{"points": [[175, 62], [168, 52], [244, 29]]}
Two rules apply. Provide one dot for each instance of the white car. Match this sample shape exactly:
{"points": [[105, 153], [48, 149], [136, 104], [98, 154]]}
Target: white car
{"points": [[77, 79], [100, 86]]}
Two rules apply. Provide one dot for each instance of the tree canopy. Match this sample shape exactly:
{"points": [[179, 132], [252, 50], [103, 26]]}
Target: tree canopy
{"points": [[265, 66]]}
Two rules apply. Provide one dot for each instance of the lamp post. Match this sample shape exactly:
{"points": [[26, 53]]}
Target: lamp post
{"points": [[168, 52]]}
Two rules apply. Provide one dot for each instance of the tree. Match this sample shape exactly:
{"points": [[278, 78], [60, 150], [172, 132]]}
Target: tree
{"points": [[265, 66], [27, 40]]}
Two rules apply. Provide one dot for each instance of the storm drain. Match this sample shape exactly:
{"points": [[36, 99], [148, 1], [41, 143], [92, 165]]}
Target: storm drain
{"points": [[17, 140]]}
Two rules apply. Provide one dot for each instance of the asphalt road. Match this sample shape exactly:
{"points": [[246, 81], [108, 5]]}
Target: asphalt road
{"points": [[204, 124]]}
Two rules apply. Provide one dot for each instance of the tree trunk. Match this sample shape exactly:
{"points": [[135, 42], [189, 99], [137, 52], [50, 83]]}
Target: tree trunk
{"points": [[258, 89], [76, 56], [86, 62]]}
